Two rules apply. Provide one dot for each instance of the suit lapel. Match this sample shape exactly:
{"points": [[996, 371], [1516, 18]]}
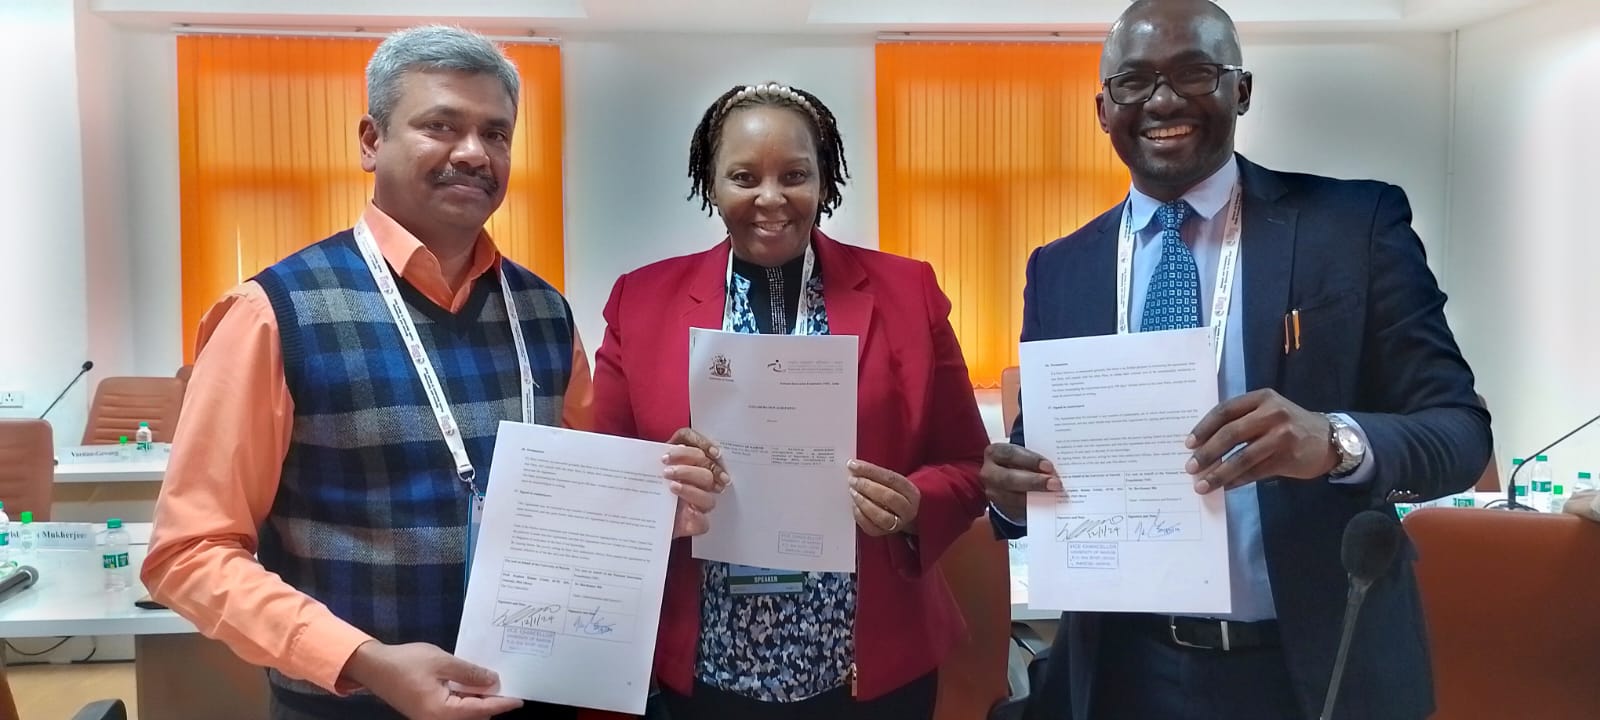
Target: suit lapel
{"points": [[849, 306], [702, 305], [1268, 266]]}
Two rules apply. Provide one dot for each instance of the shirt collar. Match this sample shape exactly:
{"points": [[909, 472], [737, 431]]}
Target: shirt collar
{"points": [[409, 257], [1207, 198]]}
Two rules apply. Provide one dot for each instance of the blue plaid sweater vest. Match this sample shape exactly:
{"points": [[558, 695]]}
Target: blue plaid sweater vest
{"points": [[370, 517]]}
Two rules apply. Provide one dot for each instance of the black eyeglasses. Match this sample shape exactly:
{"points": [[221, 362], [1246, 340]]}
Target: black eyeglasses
{"points": [[1188, 81]]}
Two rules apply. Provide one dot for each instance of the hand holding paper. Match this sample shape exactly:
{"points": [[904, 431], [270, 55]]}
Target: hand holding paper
{"points": [[565, 591]]}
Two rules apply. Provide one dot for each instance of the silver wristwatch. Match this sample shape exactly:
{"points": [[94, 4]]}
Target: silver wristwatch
{"points": [[1347, 444]]}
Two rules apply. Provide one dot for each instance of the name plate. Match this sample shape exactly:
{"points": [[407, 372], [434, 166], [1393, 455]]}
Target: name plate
{"points": [[66, 535], [111, 454]]}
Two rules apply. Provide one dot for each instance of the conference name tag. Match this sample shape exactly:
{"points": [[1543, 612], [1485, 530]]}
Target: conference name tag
{"points": [[746, 580], [65, 535]]}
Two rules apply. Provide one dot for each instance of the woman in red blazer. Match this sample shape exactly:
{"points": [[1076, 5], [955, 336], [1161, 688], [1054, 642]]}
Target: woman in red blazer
{"points": [[863, 644]]}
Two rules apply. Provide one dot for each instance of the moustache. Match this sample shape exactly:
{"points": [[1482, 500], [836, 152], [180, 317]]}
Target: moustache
{"points": [[481, 180]]}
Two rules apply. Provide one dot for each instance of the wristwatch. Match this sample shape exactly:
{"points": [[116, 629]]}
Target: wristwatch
{"points": [[1347, 444]]}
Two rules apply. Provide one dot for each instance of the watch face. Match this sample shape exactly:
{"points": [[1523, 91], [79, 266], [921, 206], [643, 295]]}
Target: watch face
{"points": [[1349, 442]]}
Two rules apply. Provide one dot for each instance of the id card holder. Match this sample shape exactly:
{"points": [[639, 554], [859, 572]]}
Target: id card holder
{"points": [[747, 580], [474, 520]]}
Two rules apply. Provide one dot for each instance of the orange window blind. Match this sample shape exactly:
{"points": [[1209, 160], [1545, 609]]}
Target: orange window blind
{"points": [[985, 152], [270, 159]]}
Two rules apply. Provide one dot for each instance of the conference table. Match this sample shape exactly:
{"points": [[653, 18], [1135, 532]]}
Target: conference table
{"points": [[179, 674], [96, 482]]}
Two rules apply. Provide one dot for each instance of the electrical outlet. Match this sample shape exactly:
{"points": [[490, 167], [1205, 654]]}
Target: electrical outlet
{"points": [[10, 398]]}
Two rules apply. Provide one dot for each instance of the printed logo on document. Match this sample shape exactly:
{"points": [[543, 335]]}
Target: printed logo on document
{"points": [[721, 369]]}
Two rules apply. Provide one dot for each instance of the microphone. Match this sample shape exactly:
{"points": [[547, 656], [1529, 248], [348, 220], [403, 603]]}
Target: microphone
{"points": [[1511, 484], [21, 579], [87, 366], [1371, 541]]}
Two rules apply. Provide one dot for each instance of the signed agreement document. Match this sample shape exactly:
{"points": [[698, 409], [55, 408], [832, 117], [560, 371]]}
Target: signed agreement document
{"points": [[1129, 533], [565, 591], [783, 410]]}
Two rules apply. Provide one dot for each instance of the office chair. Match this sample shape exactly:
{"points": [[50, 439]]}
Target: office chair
{"points": [[103, 710]]}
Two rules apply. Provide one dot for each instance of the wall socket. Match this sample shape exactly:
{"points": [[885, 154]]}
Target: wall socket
{"points": [[10, 398]]}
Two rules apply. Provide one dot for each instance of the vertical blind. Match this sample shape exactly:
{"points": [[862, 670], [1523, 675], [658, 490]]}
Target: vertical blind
{"points": [[985, 152], [270, 158]]}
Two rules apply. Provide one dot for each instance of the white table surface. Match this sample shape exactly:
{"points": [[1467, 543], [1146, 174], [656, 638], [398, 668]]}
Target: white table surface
{"points": [[150, 468], [70, 598]]}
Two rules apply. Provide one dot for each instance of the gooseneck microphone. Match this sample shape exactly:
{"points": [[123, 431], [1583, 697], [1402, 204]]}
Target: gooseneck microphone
{"points": [[1371, 541], [87, 366], [1511, 485]]}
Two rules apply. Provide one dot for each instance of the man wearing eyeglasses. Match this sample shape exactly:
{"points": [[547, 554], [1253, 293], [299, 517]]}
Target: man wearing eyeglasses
{"points": [[1344, 390]]}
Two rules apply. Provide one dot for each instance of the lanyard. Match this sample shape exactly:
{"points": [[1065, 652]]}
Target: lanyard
{"points": [[802, 313], [419, 354], [1227, 265]]}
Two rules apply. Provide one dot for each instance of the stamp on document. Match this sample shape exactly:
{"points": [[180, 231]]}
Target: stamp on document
{"points": [[523, 641], [800, 544]]}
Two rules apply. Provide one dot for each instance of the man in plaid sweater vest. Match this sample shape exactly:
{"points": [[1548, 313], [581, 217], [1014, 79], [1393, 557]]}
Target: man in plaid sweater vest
{"points": [[314, 514]]}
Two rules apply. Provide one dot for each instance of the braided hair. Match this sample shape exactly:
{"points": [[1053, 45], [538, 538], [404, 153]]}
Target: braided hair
{"points": [[819, 119]]}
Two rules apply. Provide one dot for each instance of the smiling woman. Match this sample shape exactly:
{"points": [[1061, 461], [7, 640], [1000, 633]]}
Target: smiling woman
{"points": [[769, 160]]}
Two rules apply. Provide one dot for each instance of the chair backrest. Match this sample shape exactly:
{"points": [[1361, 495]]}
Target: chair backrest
{"points": [[1510, 596], [121, 403], [973, 678], [1010, 401], [27, 467], [103, 710]]}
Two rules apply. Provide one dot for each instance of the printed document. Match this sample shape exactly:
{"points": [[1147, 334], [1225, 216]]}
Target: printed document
{"points": [[564, 596], [1128, 533], [783, 410]]}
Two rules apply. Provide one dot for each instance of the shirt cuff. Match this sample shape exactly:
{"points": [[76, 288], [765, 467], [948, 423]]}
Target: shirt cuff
{"points": [[1369, 464], [323, 649], [1019, 523]]}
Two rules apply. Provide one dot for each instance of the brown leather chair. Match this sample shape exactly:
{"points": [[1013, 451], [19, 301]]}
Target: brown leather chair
{"points": [[972, 680], [27, 467], [1509, 600], [1010, 400], [121, 403]]}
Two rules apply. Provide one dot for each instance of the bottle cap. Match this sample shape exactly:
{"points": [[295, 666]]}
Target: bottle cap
{"points": [[27, 516], [113, 523]]}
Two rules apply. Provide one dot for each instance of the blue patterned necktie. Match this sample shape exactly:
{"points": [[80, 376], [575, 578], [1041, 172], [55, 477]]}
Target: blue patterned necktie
{"points": [[1172, 302]]}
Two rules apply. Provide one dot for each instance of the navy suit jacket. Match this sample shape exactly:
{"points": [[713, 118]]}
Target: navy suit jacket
{"points": [[1374, 344]]}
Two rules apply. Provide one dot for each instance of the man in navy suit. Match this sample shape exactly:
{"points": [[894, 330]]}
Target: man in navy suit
{"points": [[1342, 383]]}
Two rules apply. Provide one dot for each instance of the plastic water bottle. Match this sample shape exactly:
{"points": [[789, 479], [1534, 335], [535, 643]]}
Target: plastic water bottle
{"points": [[1541, 482], [1522, 485], [5, 535], [124, 450], [1585, 482], [27, 542], [114, 556], [143, 440], [1558, 497]]}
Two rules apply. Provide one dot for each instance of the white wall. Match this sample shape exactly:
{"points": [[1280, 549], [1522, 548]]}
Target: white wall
{"points": [[1524, 254], [632, 103], [43, 336], [1356, 106]]}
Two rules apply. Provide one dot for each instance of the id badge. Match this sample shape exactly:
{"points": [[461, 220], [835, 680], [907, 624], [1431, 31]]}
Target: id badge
{"points": [[474, 519], [747, 580]]}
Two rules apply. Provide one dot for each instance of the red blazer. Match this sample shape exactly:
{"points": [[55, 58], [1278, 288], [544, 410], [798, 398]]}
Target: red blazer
{"points": [[917, 416]]}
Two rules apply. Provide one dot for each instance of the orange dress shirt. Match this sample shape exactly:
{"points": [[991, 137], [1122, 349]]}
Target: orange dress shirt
{"points": [[227, 457]]}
